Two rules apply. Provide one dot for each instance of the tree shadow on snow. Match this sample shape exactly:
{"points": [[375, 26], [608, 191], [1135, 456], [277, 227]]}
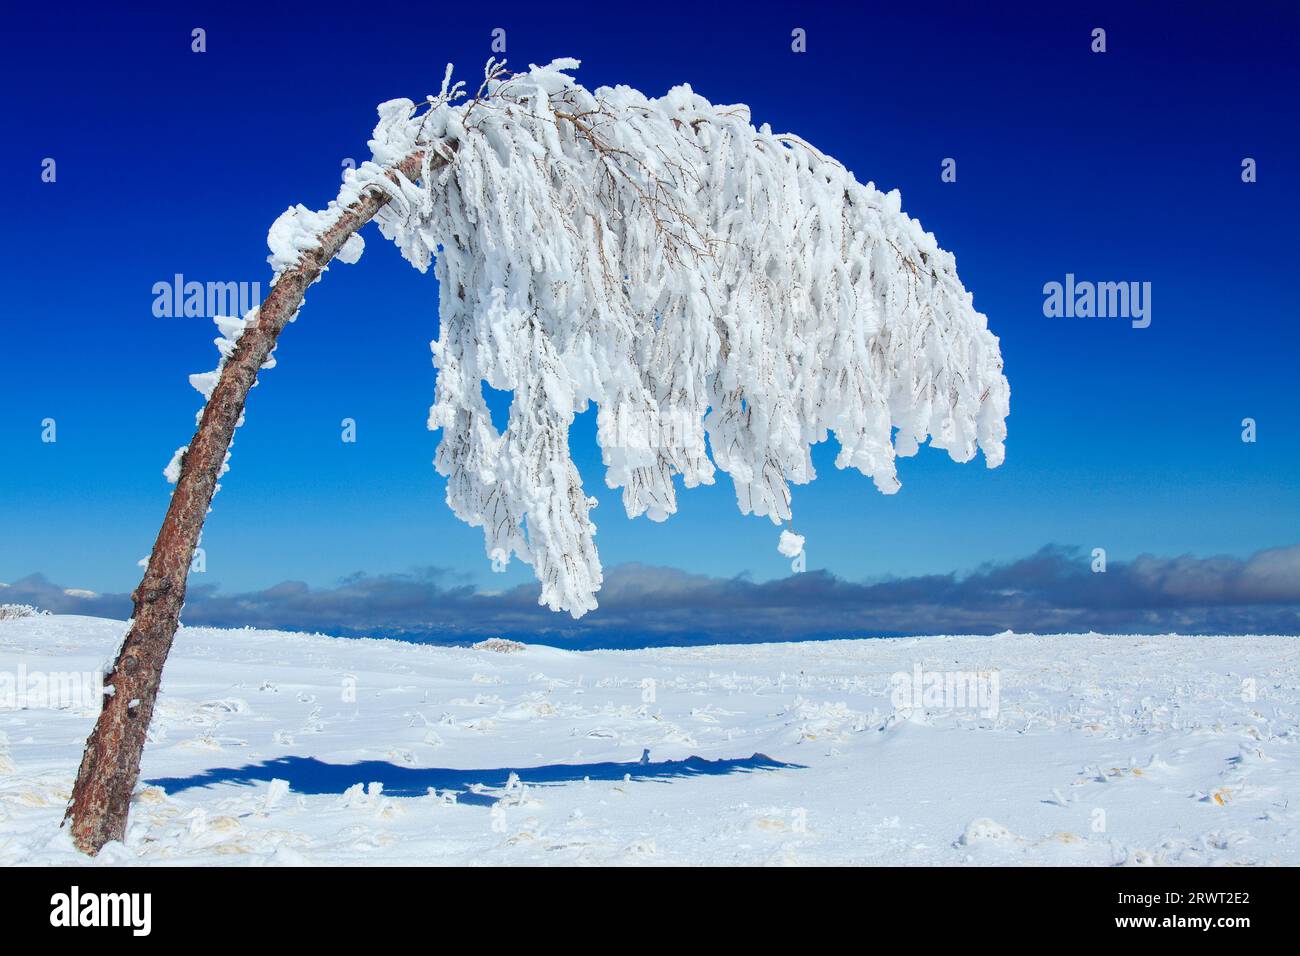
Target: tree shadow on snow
{"points": [[307, 775]]}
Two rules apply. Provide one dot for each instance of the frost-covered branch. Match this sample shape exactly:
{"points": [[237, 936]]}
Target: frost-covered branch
{"points": [[693, 276], [709, 285]]}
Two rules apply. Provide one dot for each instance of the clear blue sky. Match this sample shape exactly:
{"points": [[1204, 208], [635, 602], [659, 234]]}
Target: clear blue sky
{"points": [[1120, 166]]}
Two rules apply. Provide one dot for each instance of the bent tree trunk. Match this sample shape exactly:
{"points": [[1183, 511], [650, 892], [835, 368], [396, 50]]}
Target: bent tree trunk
{"points": [[110, 765]]}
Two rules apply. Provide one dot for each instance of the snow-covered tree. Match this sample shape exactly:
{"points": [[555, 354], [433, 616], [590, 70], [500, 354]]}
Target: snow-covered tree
{"points": [[692, 275]]}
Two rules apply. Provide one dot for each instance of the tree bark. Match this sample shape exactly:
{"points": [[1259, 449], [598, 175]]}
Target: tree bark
{"points": [[110, 766]]}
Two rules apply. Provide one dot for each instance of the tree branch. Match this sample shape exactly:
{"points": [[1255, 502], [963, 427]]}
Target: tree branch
{"points": [[110, 766]]}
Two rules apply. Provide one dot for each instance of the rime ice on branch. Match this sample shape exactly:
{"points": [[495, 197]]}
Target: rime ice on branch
{"points": [[688, 273]]}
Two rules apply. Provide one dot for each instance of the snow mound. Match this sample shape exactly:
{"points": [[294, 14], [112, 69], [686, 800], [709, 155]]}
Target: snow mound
{"points": [[985, 830], [500, 645], [9, 612]]}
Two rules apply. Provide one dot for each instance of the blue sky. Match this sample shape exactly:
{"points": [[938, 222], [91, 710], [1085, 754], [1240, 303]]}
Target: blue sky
{"points": [[1122, 166]]}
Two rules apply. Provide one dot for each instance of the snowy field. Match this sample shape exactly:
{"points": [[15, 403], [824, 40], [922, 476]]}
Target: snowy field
{"points": [[279, 748]]}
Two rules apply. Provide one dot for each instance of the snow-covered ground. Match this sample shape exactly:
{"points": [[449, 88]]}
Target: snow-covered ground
{"points": [[276, 747]]}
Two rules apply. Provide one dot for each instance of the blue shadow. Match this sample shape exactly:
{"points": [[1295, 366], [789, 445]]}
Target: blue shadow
{"points": [[307, 775]]}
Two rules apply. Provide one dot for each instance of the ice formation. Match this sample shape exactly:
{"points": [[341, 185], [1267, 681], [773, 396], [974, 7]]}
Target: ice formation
{"points": [[691, 275], [790, 544]]}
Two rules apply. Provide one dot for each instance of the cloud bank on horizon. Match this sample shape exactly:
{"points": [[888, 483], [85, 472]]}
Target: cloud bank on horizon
{"points": [[1053, 590]]}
